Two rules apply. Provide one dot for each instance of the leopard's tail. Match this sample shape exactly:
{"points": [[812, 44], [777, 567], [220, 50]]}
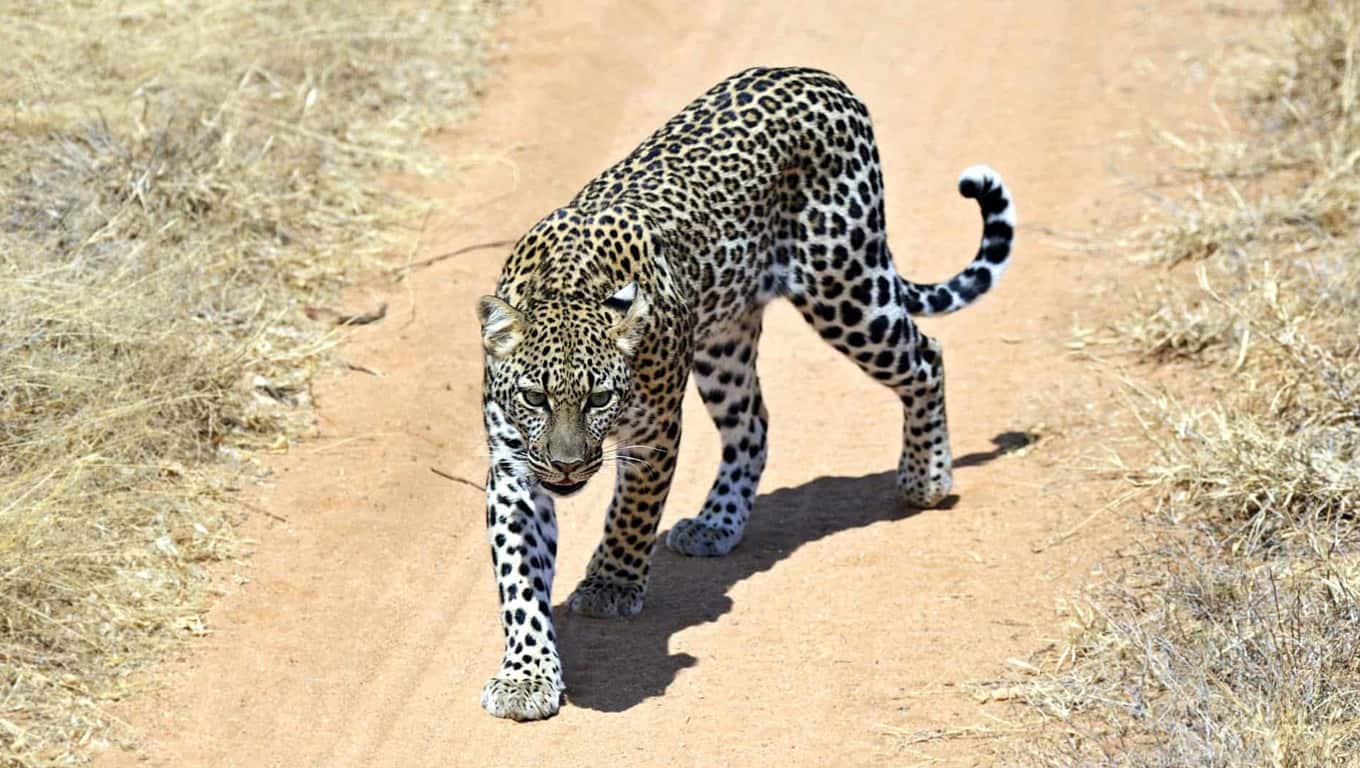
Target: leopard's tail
{"points": [[994, 254]]}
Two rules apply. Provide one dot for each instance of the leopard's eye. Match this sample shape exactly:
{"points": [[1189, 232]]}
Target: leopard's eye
{"points": [[534, 397], [600, 399]]}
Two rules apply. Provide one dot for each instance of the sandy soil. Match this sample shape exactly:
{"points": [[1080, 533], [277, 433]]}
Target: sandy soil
{"points": [[368, 624]]}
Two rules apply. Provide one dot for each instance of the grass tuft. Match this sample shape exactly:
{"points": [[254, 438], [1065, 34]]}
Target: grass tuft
{"points": [[1232, 636], [177, 181]]}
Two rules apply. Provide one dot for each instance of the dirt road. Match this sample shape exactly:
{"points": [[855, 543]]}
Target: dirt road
{"points": [[369, 622]]}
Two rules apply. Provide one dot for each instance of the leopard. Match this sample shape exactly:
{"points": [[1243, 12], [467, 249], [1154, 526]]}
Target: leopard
{"points": [[768, 186]]}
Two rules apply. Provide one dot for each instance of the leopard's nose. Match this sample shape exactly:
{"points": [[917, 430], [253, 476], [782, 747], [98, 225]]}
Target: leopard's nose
{"points": [[567, 467]]}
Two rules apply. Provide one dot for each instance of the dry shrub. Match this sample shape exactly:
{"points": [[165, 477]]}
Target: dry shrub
{"points": [[1232, 636], [176, 181]]}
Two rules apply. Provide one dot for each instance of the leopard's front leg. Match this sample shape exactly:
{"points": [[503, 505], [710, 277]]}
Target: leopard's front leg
{"points": [[616, 579], [522, 528]]}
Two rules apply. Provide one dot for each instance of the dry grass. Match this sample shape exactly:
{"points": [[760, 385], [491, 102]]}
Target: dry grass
{"points": [[176, 181], [1232, 637]]}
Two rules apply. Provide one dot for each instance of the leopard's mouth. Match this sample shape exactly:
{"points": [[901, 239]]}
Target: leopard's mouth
{"points": [[563, 489]]}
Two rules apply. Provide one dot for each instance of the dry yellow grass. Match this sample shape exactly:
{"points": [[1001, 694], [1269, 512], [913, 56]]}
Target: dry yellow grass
{"points": [[1233, 636], [177, 180]]}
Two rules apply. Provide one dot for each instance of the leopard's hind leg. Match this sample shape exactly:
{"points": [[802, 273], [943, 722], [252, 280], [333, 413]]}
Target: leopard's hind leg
{"points": [[843, 281], [873, 328], [925, 471]]}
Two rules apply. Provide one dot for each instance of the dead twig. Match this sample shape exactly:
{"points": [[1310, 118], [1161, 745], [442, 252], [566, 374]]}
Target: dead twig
{"points": [[445, 256], [261, 510], [361, 369], [341, 318], [457, 479]]}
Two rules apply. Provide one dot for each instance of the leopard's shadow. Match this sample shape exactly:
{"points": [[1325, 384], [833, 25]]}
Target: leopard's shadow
{"points": [[613, 665]]}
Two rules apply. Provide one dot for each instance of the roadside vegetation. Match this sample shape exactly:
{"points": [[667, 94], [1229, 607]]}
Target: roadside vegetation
{"points": [[1231, 635], [178, 183]]}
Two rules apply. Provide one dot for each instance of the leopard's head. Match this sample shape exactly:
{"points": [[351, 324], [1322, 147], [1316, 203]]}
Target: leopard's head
{"points": [[560, 371]]}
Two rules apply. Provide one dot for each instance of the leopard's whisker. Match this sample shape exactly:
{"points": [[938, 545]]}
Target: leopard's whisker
{"points": [[631, 460], [651, 448]]}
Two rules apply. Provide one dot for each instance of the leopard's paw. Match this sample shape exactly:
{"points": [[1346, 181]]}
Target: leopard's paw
{"points": [[600, 598], [695, 538], [924, 494], [517, 697]]}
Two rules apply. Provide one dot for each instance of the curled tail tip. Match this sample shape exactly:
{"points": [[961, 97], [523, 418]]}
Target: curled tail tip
{"points": [[983, 183], [978, 180]]}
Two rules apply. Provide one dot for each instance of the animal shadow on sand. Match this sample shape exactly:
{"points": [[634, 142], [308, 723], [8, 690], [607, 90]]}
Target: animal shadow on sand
{"points": [[615, 664]]}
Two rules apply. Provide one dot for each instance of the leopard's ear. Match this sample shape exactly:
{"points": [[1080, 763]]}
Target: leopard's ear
{"points": [[633, 305], [502, 326]]}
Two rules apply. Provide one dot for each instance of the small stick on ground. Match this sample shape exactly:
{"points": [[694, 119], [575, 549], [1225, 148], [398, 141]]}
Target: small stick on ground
{"points": [[340, 318], [265, 512], [361, 369], [458, 252], [458, 479]]}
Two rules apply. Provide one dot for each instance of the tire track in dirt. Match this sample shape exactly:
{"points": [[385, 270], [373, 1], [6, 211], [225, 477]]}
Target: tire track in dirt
{"points": [[369, 624]]}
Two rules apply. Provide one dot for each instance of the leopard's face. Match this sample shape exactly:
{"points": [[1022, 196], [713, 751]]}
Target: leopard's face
{"points": [[560, 372]]}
